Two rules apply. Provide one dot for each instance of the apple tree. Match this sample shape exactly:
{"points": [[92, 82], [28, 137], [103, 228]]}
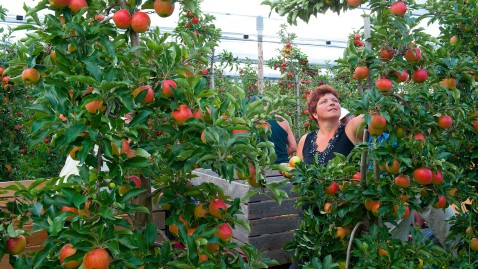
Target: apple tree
{"points": [[419, 91], [101, 77]]}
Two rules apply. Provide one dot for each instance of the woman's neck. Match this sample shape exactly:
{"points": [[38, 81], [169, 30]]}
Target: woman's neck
{"points": [[328, 128]]}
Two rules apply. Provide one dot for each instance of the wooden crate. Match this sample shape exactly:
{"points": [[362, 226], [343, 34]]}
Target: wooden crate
{"points": [[36, 239], [271, 224]]}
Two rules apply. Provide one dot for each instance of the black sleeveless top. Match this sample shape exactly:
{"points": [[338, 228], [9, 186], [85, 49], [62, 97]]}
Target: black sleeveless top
{"points": [[339, 143], [279, 138]]}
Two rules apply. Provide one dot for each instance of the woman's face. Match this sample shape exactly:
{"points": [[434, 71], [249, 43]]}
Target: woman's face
{"points": [[328, 107]]}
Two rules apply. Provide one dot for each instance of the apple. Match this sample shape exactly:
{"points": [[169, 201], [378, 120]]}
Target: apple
{"points": [[76, 5], [444, 121], [423, 175], [224, 232], [200, 210], [361, 72], [419, 137], [398, 8], [202, 258], [216, 208], [353, 3], [369, 203], [58, 4], [393, 168], [93, 106], [375, 131], [30, 76], [125, 149], [449, 83], [454, 40], [474, 244], [136, 180], [122, 19], [148, 98], [475, 124], [441, 203], [97, 259], [413, 55], [420, 75], [195, 20], [66, 251], [15, 245], [294, 160], [198, 114], [437, 177], [375, 208], [402, 181], [167, 86], [99, 17], [332, 188], [140, 22], [342, 232], [382, 252], [163, 8], [383, 84], [1, 71], [377, 121], [386, 54], [69, 209], [328, 207], [357, 176], [182, 114], [401, 76]]}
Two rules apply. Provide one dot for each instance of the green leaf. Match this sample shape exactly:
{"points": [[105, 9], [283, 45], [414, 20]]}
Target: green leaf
{"points": [[150, 234], [83, 79]]}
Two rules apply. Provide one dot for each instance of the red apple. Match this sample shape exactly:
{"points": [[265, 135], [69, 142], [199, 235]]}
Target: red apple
{"points": [[377, 121], [423, 175], [332, 188], [406, 214], [15, 245], [294, 160], [66, 251], [148, 98], [96, 259], [413, 55], [182, 114], [353, 3], [224, 232], [216, 208], [195, 20], [386, 54], [441, 203], [420, 75], [402, 181], [437, 177], [361, 72], [30, 76], [401, 76], [76, 5], [384, 84], [398, 8], [394, 168], [140, 22], [136, 180], [444, 121], [122, 19], [167, 86]]}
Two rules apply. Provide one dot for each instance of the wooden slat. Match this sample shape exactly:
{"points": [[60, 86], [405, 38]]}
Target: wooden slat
{"points": [[273, 225], [280, 255], [271, 209], [271, 241], [159, 218]]}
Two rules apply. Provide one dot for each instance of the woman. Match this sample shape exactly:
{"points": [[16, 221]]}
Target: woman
{"points": [[331, 136]]}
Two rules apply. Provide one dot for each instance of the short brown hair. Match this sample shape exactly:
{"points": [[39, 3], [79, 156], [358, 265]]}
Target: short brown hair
{"points": [[316, 94]]}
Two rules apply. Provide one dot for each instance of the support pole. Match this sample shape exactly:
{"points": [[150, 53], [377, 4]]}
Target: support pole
{"points": [[260, 55], [297, 92], [211, 73]]}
